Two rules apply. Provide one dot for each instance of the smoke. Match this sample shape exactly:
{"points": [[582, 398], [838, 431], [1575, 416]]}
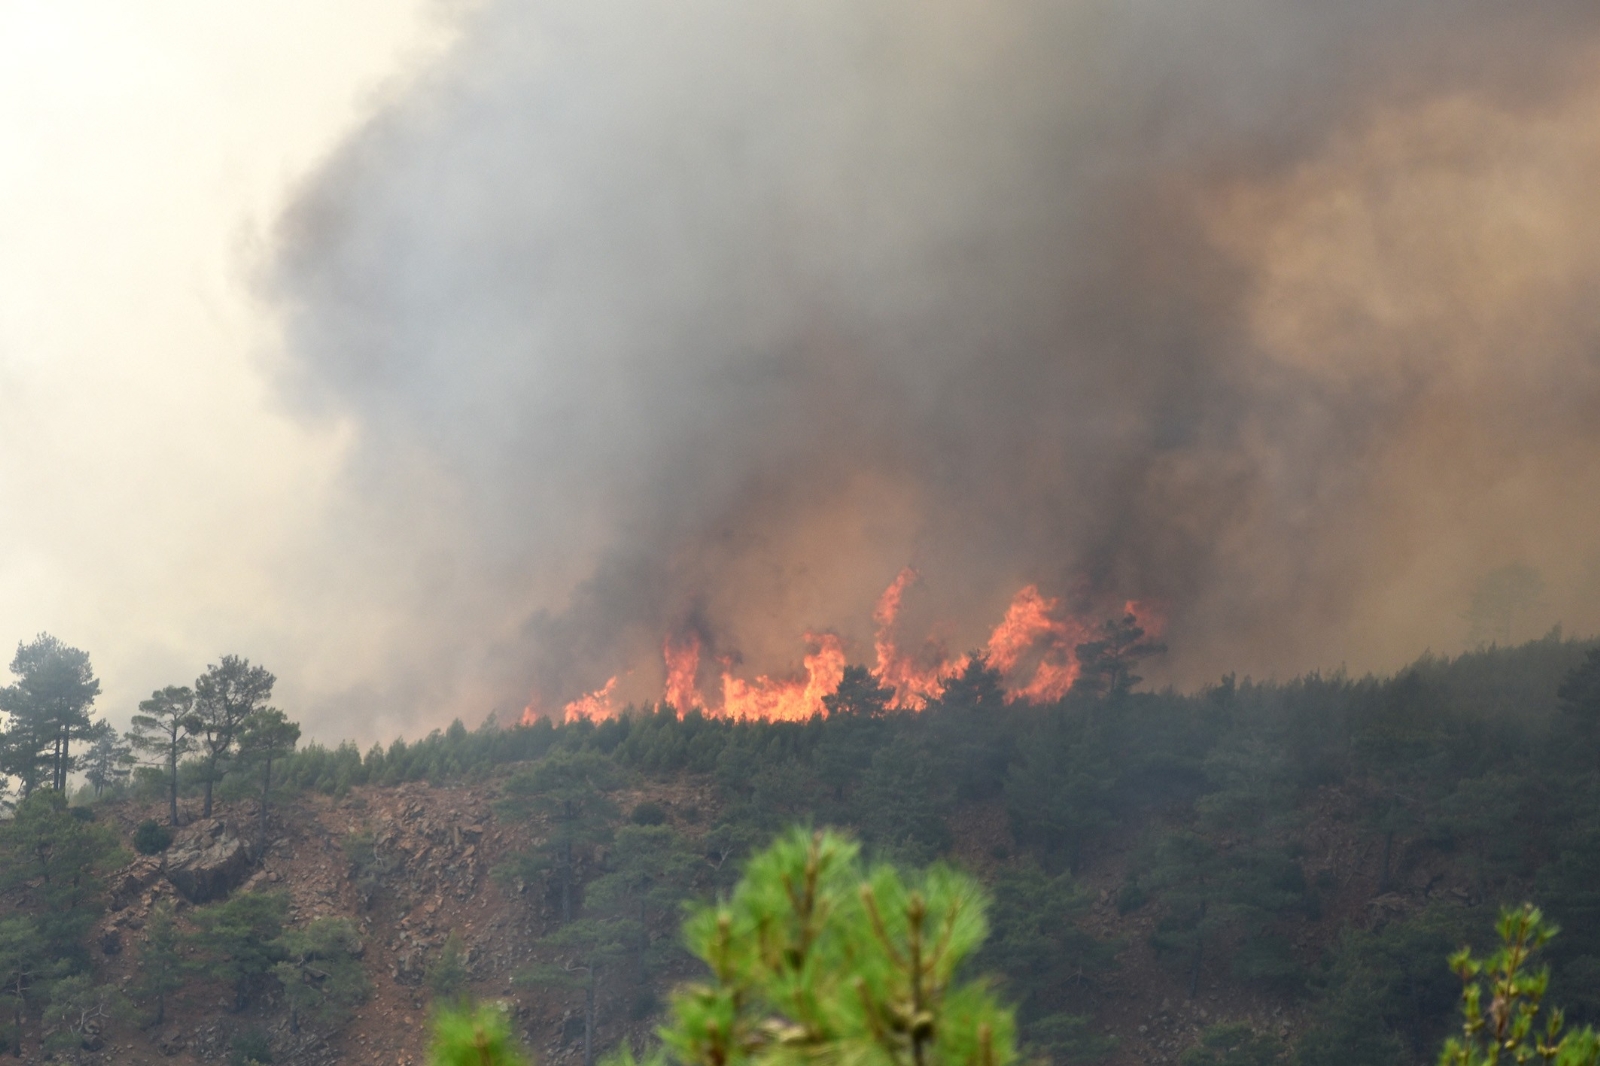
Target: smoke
{"points": [[707, 317]]}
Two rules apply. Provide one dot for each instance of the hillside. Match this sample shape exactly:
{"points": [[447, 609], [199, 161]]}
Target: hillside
{"points": [[1298, 857]]}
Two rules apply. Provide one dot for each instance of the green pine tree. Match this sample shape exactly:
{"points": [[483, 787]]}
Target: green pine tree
{"points": [[571, 791], [160, 970]]}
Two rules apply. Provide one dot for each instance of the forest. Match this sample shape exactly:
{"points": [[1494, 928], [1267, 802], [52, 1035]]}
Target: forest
{"points": [[1290, 862]]}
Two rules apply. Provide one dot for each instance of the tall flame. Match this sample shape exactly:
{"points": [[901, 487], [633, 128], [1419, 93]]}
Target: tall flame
{"points": [[913, 683], [788, 701], [1033, 648], [683, 666], [1032, 624], [595, 706]]}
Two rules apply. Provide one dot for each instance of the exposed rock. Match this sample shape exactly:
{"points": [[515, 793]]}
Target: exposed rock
{"points": [[207, 860], [130, 883]]}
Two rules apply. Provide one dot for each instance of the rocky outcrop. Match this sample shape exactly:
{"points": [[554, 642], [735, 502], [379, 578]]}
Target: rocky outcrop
{"points": [[207, 860], [134, 879]]}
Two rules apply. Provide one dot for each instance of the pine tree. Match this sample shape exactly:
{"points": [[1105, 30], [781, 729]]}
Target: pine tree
{"points": [[163, 729], [479, 1037], [1506, 1026], [447, 974], [570, 790], [1107, 665], [266, 736], [1047, 960], [650, 871], [49, 708], [24, 963], [814, 958], [589, 949], [321, 973], [160, 967], [109, 760], [53, 861], [239, 941], [225, 697]]}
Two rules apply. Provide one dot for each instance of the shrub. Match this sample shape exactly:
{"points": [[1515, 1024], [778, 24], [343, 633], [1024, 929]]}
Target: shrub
{"points": [[151, 837], [649, 813], [250, 1046]]}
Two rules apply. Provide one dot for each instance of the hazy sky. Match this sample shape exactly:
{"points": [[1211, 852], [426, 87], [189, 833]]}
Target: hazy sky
{"points": [[152, 490], [436, 354]]}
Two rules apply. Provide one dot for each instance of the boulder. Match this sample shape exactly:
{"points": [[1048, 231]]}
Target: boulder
{"points": [[132, 880], [207, 860]]}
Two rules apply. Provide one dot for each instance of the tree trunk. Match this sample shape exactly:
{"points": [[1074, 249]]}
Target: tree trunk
{"points": [[172, 791], [644, 943], [266, 785], [588, 1021], [205, 811], [566, 881], [1199, 951]]}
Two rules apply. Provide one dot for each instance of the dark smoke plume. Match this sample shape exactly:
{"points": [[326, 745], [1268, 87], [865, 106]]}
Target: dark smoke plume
{"points": [[709, 316]]}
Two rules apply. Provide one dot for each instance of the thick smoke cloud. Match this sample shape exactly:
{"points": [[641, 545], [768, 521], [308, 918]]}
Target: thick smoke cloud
{"points": [[710, 316]]}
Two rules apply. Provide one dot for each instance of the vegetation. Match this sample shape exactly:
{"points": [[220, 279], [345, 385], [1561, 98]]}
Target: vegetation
{"points": [[163, 728], [1508, 1025], [480, 1037], [150, 837], [1460, 784]]}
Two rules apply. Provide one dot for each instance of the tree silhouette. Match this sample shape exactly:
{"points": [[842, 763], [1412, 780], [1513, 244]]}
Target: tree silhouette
{"points": [[162, 728]]}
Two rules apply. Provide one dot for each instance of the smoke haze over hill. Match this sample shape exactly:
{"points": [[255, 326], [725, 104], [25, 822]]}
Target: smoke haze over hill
{"points": [[1281, 315]]}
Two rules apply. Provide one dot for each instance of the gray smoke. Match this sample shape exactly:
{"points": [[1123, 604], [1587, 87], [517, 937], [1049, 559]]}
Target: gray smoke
{"points": [[712, 315]]}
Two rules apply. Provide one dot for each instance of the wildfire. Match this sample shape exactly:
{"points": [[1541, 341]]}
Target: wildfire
{"points": [[595, 705], [913, 683], [1032, 623], [788, 701], [1033, 648], [683, 665]]}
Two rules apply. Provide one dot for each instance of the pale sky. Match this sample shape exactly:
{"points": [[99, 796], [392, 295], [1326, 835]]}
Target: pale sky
{"points": [[151, 487]]}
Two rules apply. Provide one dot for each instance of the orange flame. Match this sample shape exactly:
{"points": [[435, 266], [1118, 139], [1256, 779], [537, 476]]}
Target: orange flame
{"points": [[1151, 618], [913, 683], [788, 701], [1034, 648], [1031, 624], [595, 706], [683, 665]]}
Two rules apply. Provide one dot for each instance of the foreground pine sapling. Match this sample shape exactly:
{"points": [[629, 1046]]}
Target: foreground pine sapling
{"points": [[479, 1037], [815, 957], [1507, 1027]]}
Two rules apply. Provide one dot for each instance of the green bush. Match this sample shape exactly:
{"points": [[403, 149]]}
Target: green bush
{"points": [[151, 837], [250, 1047], [649, 813]]}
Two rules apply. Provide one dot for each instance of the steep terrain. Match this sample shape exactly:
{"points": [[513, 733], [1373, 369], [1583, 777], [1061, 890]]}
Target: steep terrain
{"points": [[445, 841]]}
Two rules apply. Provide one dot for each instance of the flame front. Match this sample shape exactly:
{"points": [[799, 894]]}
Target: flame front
{"points": [[1033, 648], [788, 701], [595, 706], [1031, 624]]}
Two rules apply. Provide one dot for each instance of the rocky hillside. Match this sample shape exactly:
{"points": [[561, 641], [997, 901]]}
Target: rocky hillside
{"points": [[440, 844]]}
